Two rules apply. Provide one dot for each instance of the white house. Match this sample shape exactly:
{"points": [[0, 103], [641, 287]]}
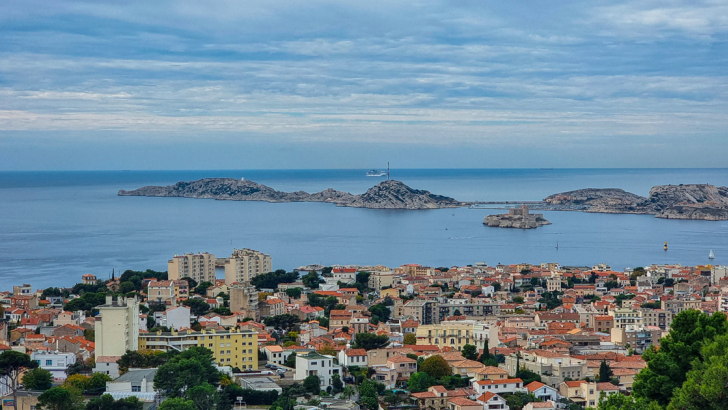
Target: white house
{"points": [[314, 364], [135, 382], [353, 357], [499, 386], [493, 401], [276, 354], [108, 366], [54, 362], [543, 391], [174, 318]]}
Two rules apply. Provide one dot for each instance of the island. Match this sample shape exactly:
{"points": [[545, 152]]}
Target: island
{"points": [[388, 194], [685, 201], [516, 218]]}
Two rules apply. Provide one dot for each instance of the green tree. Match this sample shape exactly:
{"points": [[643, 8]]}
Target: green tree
{"points": [[528, 376], [706, 383], [177, 403], [203, 396], [409, 339], [184, 370], [667, 367], [271, 280], [485, 356], [312, 384], [106, 402], [56, 398], [380, 312], [312, 280], [12, 365], [420, 381], [37, 379], [294, 293], [518, 299], [336, 383], [621, 402], [436, 366], [470, 352], [454, 381], [291, 361], [605, 373], [284, 321], [198, 307], [369, 341]]}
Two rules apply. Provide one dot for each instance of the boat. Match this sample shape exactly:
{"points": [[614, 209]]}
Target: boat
{"points": [[376, 173], [711, 255]]}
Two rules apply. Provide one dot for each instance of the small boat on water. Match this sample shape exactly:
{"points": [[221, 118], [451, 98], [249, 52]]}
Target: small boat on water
{"points": [[376, 173], [711, 255]]}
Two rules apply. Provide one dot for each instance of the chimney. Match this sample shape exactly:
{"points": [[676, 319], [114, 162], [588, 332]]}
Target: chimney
{"points": [[109, 299]]}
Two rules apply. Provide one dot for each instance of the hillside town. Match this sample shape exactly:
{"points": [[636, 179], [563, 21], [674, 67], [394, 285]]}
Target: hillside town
{"points": [[475, 337]]}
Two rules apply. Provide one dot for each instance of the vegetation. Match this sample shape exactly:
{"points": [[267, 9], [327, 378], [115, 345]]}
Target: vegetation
{"points": [[409, 339], [605, 373], [37, 379], [294, 293], [198, 307], [312, 384], [312, 280], [271, 280], [470, 352], [192, 367], [57, 398], [12, 365], [380, 312], [436, 366], [369, 341], [142, 359], [285, 321], [106, 402]]}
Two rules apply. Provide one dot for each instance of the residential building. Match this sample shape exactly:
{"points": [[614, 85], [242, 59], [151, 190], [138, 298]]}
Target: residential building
{"points": [[88, 279], [174, 318], [584, 393], [244, 299], [314, 364], [465, 308], [678, 305], [271, 307], [353, 357], [624, 317], [493, 401], [135, 382], [107, 365], [24, 289], [404, 366], [461, 403], [543, 392], [260, 384], [499, 386], [381, 279], [199, 266], [234, 347], [552, 367], [117, 327], [245, 264], [436, 397], [449, 333], [54, 361], [424, 311], [638, 338], [657, 318], [603, 323]]}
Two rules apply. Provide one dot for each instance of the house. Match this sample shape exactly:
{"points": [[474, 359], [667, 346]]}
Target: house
{"points": [[271, 307], [461, 403], [404, 366], [353, 357], [275, 354], [436, 397], [542, 391], [545, 405], [466, 368], [584, 393], [54, 361], [493, 401], [68, 330], [135, 382], [174, 318], [315, 364], [499, 386], [107, 365], [490, 373]]}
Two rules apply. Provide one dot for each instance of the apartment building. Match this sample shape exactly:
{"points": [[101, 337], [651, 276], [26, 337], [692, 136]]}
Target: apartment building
{"points": [[244, 299], [553, 367], [678, 305], [624, 317], [469, 309], [449, 333], [53, 361], [200, 267], [117, 327], [245, 264], [234, 347], [382, 279], [425, 311], [166, 291], [657, 318], [314, 364]]}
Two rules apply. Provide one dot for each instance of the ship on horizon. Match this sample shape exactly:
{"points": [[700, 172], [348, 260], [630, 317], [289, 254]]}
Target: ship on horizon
{"points": [[376, 173]]}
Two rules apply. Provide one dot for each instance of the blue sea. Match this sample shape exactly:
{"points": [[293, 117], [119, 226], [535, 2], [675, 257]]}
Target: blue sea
{"points": [[57, 226]]}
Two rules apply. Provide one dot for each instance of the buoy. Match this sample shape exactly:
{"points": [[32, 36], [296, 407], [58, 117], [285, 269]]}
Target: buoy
{"points": [[665, 245]]}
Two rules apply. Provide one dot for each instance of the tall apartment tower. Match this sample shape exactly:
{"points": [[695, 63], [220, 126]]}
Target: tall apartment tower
{"points": [[200, 267], [117, 327], [245, 264]]}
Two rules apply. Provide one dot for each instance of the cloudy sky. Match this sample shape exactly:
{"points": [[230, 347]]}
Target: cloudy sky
{"points": [[352, 84]]}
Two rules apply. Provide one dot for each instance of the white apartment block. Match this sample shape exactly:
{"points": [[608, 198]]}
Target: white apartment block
{"points": [[117, 327], [54, 362], [200, 267], [314, 364], [245, 264]]}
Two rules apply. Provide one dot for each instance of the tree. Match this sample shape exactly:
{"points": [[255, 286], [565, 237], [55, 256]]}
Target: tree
{"points": [[409, 339], [142, 359], [470, 352], [518, 299], [420, 381], [98, 381], [271, 280], [667, 367], [37, 379], [454, 381], [191, 367], [290, 361], [203, 396], [380, 312], [177, 403], [106, 402], [336, 383], [294, 293], [486, 353], [705, 384], [56, 398], [605, 373], [312, 279], [436, 366], [312, 384], [198, 307], [369, 341], [621, 402], [12, 365], [284, 321], [528, 376]]}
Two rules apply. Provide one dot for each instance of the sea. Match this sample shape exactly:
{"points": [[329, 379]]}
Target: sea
{"points": [[57, 226]]}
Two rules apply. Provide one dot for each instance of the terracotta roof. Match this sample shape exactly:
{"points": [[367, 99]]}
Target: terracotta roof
{"points": [[461, 401], [491, 370], [485, 397], [468, 363], [501, 381], [107, 359], [424, 395], [575, 383], [401, 359], [533, 386], [606, 386], [356, 352]]}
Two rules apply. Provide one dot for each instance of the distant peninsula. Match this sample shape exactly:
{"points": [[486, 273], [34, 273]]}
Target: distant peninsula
{"points": [[388, 194], [689, 201]]}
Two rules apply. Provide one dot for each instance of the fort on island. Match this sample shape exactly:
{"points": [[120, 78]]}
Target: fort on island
{"points": [[516, 218]]}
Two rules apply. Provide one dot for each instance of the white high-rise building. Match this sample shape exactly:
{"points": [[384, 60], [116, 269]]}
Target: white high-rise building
{"points": [[245, 264], [200, 267], [117, 327]]}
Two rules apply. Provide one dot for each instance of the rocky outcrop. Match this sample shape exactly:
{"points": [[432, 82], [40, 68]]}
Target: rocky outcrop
{"points": [[386, 195], [691, 201]]}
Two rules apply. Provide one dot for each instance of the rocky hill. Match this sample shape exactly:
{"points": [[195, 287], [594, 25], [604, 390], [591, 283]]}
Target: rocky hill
{"points": [[691, 201], [386, 195]]}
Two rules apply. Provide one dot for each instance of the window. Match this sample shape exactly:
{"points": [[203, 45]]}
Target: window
{"points": [[49, 362], [136, 388]]}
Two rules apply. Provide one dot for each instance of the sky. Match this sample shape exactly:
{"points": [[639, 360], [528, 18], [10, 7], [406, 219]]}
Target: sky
{"points": [[88, 85]]}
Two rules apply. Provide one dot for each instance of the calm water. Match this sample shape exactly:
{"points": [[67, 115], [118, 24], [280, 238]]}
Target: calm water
{"points": [[56, 226]]}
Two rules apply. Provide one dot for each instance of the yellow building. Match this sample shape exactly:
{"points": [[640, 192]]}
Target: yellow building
{"points": [[245, 264], [236, 348], [200, 267], [449, 333], [117, 326]]}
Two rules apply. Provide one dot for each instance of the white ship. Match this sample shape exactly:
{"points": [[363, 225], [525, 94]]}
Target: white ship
{"points": [[376, 173]]}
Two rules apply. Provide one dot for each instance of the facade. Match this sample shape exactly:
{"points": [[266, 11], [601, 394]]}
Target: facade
{"points": [[245, 264], [244, 299], [403, 365], [235, 348], [200, 267], [552, 367], [379, 280], [174, 318], [108, 365], [135, 382], [499, 386], [117, 327], [425, 311], [353, 357], [678, 305], [54, 362], [657, 318], [450, 333], [314, 364]]}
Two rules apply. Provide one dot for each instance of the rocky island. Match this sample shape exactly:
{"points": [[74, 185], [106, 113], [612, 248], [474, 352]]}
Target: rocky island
{"points": [[516, 218], [690, 201], [388, 194]]}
